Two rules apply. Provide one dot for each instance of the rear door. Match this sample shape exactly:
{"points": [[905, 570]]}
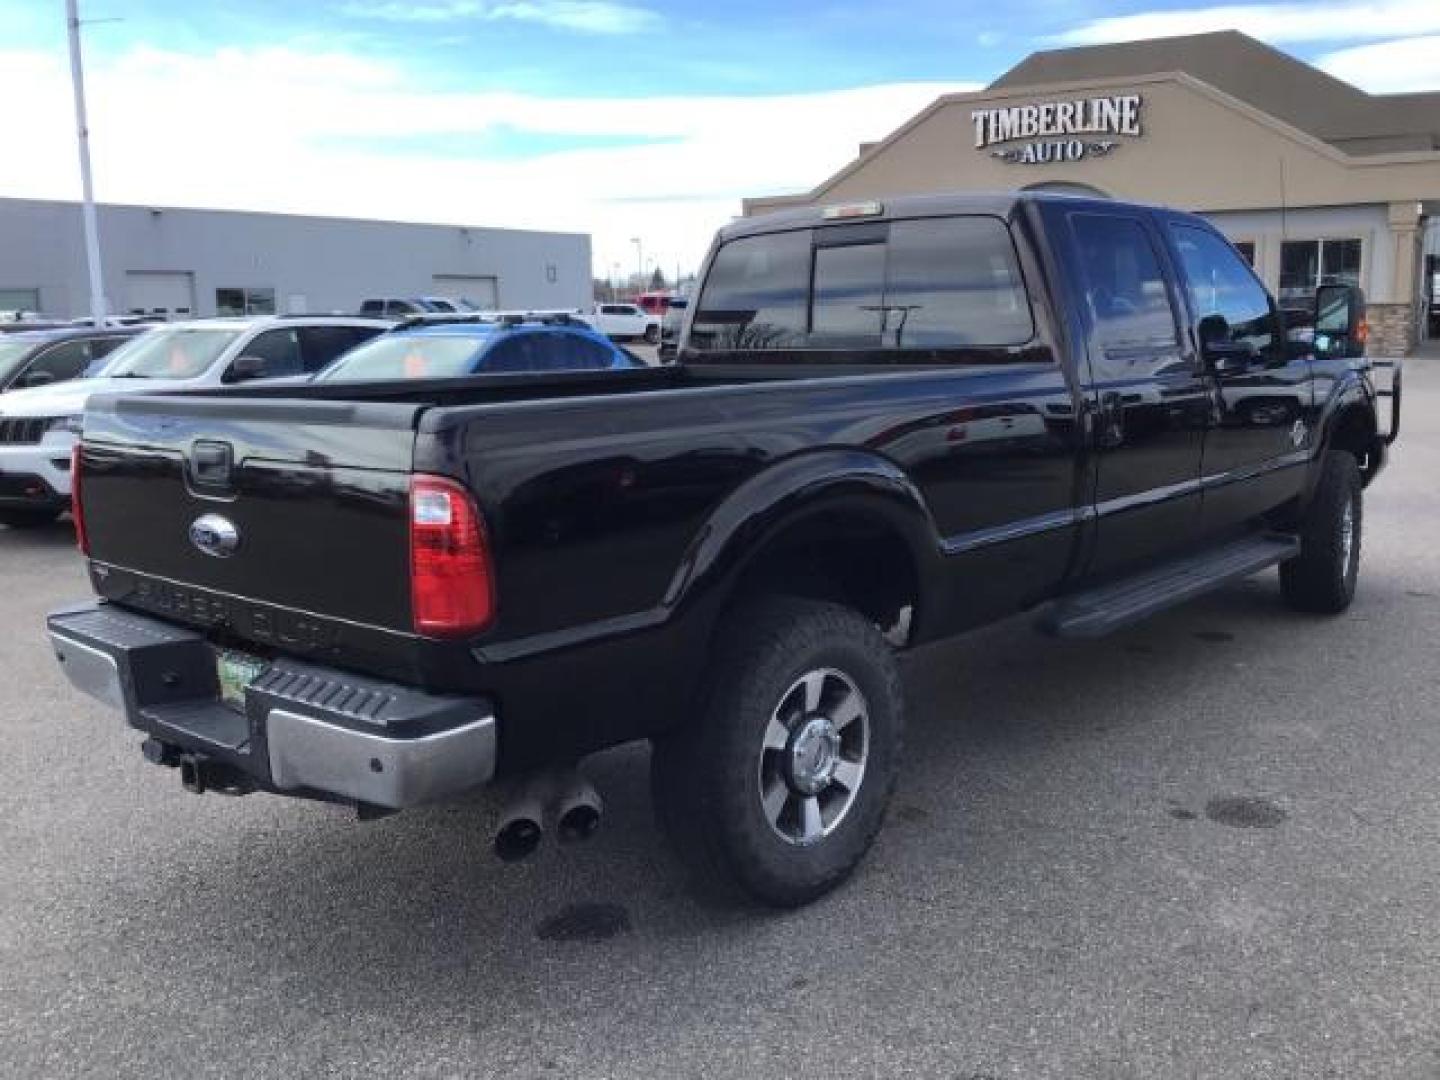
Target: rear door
{"points": [[316, 493], [1151, 400]]}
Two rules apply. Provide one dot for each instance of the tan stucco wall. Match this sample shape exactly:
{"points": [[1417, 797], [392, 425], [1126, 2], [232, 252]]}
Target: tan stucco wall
{"points": [[1199, 150]]}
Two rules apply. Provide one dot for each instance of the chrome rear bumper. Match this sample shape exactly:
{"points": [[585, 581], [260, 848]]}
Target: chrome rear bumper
{"points": [[304, 729]]}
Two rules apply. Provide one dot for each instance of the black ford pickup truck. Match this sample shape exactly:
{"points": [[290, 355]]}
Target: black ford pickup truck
{"points": [[888, 423]]}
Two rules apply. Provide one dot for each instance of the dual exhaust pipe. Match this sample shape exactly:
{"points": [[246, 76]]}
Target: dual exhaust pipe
{"points": [[572, 803]]}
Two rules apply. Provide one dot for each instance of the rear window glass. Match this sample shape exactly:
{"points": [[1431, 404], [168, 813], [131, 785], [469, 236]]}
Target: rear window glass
{"points": [[849, 295], [756, 295], [954, 281], [405, 356], [933, 283]]}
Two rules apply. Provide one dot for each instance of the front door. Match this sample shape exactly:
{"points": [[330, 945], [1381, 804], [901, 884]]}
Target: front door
{"points": [[1257, 447], [1150, 399]]}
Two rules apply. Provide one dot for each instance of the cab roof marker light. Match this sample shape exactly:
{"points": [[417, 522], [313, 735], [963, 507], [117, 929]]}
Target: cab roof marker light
{"points": [[844, 211]]}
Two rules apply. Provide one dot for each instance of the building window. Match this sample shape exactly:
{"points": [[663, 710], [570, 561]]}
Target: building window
{"points": [[19, 299], [1305, 265], [1246, 248], [244, 301]]}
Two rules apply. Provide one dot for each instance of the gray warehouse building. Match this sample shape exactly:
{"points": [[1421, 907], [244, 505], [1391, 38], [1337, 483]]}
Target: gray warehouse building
{"points": [[184, 263]]}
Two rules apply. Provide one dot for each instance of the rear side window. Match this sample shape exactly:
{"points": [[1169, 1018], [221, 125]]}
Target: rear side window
{"points": [[756, 295], [320, 345], [280, 349], [532, 352], [105, 346], [1125, 291], [922, 284]]}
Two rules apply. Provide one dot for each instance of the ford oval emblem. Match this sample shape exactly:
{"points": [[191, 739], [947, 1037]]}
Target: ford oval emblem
{"points": [[215, 535]]}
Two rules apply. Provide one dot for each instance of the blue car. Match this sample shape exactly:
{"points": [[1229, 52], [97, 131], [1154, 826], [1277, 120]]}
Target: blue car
{"points": [[449, 350]]}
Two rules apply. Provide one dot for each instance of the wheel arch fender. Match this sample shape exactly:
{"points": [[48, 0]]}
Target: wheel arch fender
{"points": [[1347, 421], [844, 483]]}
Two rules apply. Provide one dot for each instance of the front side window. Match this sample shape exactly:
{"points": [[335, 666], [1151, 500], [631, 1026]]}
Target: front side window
{"points": [[755, 295], [171, 353], [1221, 285], [66, 360]]}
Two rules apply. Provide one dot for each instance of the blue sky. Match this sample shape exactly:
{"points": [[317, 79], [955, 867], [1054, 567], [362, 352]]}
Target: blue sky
{"points": [[607, 116]]}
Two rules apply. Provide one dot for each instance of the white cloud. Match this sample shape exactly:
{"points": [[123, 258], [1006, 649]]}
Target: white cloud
{"points": [[1327, 20], [589, 16], [277, 129], [1389, 67]]}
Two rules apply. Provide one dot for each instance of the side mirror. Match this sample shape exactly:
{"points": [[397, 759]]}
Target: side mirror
{"points": [[1221, 354], [249, 367], [37, 378], [1340, 328]]}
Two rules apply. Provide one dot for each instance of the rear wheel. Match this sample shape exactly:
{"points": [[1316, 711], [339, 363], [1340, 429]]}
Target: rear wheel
{"points": [[652, 334], [1322, 577], [27, 518], [777, 789]]}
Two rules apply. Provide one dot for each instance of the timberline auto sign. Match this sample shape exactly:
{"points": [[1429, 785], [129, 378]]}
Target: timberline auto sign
{"points": [[1057, 130]]}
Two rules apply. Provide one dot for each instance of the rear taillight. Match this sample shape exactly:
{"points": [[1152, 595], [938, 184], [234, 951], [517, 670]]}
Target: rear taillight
{"points": [[452, 586], [77, 512]]}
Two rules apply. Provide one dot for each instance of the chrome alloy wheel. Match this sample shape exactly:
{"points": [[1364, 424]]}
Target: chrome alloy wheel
{"points": [[1347, 534], [813, 759]]}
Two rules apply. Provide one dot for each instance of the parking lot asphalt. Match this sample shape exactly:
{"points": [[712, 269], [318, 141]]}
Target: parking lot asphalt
{"points": [[1206, 847]]}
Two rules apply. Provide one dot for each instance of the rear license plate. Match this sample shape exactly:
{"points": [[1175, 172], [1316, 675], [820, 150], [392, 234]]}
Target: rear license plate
{"points": [[235, 671]]}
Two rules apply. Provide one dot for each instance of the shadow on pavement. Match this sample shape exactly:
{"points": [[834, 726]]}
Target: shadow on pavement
{"points": [[320, 903]]}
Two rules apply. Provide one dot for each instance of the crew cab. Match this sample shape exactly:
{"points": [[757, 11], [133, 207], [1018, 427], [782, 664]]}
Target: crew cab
{"points": [[38, 425], [888, 423]]}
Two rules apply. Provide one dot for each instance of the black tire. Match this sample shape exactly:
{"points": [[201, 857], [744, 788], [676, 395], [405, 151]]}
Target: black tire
{"points": [[27, 518], [652, 335], [707, 777], [1322, 577]]}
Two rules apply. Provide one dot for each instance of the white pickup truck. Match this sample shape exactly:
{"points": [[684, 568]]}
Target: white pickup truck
{"points": [[626, 322]]}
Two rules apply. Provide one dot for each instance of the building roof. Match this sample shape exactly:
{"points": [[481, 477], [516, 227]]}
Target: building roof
{"points": [[1305, 97]]}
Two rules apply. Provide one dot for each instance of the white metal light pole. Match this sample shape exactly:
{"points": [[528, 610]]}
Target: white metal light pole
{"points": [[639, 261], [82, 131]]}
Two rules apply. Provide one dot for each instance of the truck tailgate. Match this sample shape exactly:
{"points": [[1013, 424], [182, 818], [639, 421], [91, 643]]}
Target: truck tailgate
{"points": [[272, 501]]}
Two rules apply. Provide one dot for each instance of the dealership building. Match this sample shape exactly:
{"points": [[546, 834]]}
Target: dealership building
{"points": [[1313, 179], [190, 263]]}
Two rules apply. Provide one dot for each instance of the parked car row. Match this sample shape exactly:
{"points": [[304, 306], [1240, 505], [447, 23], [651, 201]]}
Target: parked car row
{"points": [[52, 374]]}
